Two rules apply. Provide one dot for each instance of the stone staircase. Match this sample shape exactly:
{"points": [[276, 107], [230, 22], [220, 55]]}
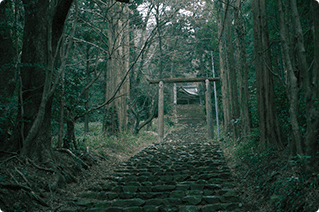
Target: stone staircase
{"points": [[185, 173], [189, 113]]}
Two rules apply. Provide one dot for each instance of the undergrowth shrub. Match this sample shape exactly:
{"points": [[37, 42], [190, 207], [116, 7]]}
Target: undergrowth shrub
{"points": [[124, 142], [95, 139], [280, 181], [242, 152]]}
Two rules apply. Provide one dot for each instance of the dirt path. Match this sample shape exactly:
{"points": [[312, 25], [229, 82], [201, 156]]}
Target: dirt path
{"points": [[184, 173]]}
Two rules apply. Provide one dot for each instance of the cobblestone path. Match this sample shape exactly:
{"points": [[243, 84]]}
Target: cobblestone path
{"points": [[185, 173]]}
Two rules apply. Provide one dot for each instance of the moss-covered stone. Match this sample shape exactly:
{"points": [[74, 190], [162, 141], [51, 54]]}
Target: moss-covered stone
{"points": [[87, 204], [177, 194], [211, 208], [211, 199], [151, 208], [112, 195], [134, 209], [104, 204], [172, 201], [126, 195], [129, 189], [188, 208], [128, 202], [108, 186], [163, 188], [156, 202], [89, 195], [193, 199]]}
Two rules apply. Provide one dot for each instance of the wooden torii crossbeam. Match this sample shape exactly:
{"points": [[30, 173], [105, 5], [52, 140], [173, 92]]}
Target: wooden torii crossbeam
{"points": [[180, 80], [161, 82]]}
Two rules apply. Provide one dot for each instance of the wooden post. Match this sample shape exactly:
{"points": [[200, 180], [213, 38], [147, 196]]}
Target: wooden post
{"points": [[175, 103], [180, 80], [210, 128], [175, 94], [161, 112]]}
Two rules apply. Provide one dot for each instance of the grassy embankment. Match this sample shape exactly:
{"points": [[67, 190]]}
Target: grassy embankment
{"points": [[125, 143], [270, 179]]}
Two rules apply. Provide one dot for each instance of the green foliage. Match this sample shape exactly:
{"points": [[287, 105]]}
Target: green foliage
{"points": [[300, 160], [96, 140], [169, 122], [136, 18], [205, 36], [111, 120], [287, 191], [253, 106], [283, 112], [284, 186], [167, 106], [246, 151], [302, 117], [83, 67], [9, 113], [143, 103], [1, 179]]}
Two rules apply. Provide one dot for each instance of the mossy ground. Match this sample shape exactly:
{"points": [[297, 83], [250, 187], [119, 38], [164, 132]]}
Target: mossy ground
{"points": [[101, 152], [269, 179]]}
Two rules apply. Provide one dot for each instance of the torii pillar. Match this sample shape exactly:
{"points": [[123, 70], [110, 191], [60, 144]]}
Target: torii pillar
{"points": [[209, 117], [161, 112]]}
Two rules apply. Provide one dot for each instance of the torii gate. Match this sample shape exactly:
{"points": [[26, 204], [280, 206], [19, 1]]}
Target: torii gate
{"points": [[180, 80]]}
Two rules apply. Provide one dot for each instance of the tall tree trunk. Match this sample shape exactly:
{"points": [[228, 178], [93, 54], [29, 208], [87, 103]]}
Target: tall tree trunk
{"points": [[62, 104], [243, 78], [35, 53], [312, 92], [292, 86], [309, 81], [111, 123], [268, 117], [223, 71], [7, 71], [125, 67], [86, 117], [232, 78], [118, 64], [70, 134], [315, 10]]}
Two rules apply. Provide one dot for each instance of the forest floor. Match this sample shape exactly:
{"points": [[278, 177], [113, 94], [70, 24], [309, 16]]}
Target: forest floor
{"points": [[270, 180], [265, 180]]}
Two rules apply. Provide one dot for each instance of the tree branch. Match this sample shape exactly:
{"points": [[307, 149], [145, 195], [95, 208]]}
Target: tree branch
{"points": [[111, 99]]}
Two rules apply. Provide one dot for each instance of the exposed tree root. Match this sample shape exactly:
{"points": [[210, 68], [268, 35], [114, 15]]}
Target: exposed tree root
{"points": [[6, 152], [14, 186], [23, 177], [39, 199], [8, 160], [39, 167], [85, 165]]}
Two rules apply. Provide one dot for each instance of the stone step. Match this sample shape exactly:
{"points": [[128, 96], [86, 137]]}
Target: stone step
{"points": [[170, 176], [180, 201]]}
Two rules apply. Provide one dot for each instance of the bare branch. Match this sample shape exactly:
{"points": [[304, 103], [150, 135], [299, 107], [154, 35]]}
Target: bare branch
{"points": [[276, 75], [49, 90], [88, 42], [111, 99]]}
